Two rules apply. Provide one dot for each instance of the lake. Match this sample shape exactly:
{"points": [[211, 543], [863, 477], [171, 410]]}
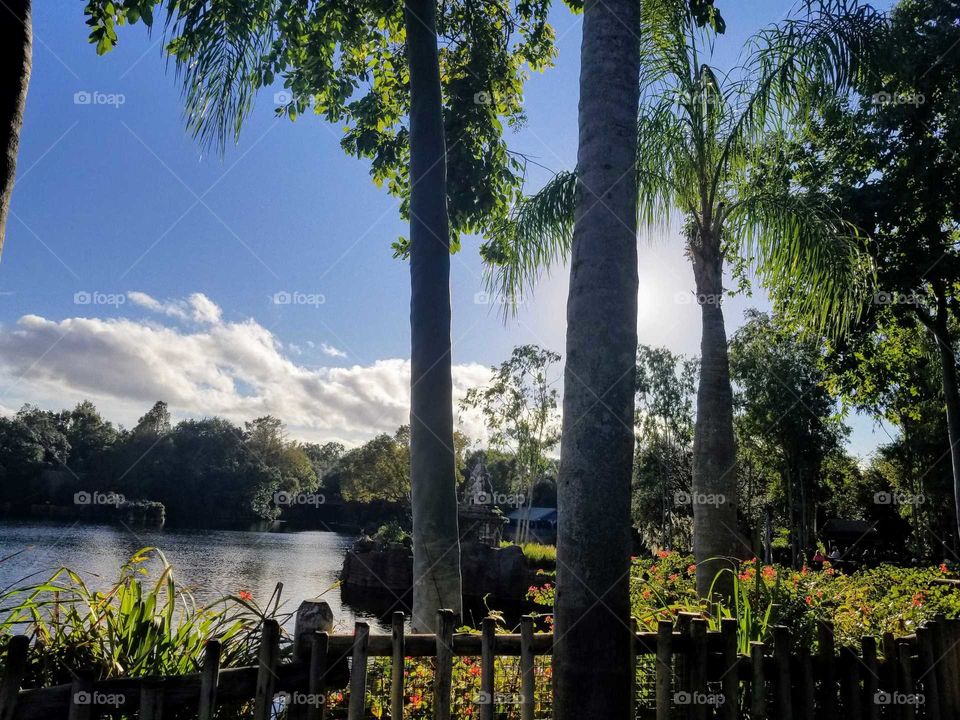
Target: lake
{"points": [[211, 563]]}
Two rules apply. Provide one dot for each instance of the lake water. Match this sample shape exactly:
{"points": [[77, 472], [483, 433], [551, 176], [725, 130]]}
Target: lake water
{"points": [[210, 563]]}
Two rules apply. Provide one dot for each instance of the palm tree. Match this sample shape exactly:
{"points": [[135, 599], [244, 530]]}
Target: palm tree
{"points": [[591, 652], [436, 545], [16, 60], [707, 154]]}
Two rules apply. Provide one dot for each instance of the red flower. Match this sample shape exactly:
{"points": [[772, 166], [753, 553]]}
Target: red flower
{"points": [[944, 568], [663, 553], [474, 670], [246, 595], [918, 599], [691, 569], [809, 599]]}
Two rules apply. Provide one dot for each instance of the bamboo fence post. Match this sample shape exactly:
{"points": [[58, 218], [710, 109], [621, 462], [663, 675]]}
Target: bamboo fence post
{"points": [[17, 648], [316, 682], [397, 666], [528, 687], [758, 685], [806, 691], [151, 700], [81, 694], [850, 683], [781, 661], [488, 649], [926, 674], [208, 680], [443, 678], [730, 680], [828, 672], [267, 670], [698, 669], [908, 708], [358, 672], [664, 681], [871, 677]]}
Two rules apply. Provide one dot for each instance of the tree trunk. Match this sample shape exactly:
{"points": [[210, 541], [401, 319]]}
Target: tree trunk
{"points": [[714, 497], [436, 543], [591, 652], [16, 51], [951, 396]]}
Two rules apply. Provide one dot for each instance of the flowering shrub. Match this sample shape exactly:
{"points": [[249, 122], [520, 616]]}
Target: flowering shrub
{"points": [[868, 602]]}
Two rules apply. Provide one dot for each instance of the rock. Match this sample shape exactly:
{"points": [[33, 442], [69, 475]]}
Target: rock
{"points": [[499, 572], [378, 571]]}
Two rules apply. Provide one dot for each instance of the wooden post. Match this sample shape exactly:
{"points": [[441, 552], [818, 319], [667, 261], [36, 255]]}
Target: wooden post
{"points": [[730, 679], [209, 676], [946, 681], [889, 669], [758, 686], [81, 695], [151, 700], [926, 674], [633, 667], [397, 667], [267, 669], [312, 616], [698, 669], [908, 709], [850, 683], [951, 661], [682, 660], [17, 648], [871, 677], [781, 659], [664, 681], [443, 677], [488, 649], [528, 678], [828, 674], [358, 672], [806, 691], [317, 681]]}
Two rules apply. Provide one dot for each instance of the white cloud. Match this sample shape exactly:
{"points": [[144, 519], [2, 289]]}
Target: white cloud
{"points": [[198, 307], [331, 350], [234, 369]]}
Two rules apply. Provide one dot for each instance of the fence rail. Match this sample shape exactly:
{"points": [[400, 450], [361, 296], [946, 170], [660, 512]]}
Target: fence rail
{"points": [[683, 672]]}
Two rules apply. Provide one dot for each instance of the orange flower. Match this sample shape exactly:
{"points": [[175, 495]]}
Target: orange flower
{"points": [[809, 599], [769, 572], [918, 599], [663, 553], [944, 568], [246, 595], [691, 569], [474, 670]]}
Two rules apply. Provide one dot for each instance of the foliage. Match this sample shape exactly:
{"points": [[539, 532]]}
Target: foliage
{"points": [[539, 556], [347, 63], [519, 405], [140, 626]]}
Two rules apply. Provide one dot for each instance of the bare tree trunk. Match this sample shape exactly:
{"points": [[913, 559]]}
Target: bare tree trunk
{"points": [[436, 544], [16, 60], [591, 652], [715, 533], [951, 396]]}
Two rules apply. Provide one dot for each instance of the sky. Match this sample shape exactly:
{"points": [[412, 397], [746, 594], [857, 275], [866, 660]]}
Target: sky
{"points": [[138, 267]]}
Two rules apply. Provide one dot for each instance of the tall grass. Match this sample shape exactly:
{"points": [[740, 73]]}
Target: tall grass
{"points": [[141, 625]]}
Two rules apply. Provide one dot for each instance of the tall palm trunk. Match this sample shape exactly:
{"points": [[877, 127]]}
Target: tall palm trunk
{"points": [[436, 545], [714, 452], [591, 652], [16, 60]]}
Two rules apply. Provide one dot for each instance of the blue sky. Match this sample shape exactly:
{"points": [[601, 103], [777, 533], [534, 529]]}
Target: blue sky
{"points": [[113, 197]]}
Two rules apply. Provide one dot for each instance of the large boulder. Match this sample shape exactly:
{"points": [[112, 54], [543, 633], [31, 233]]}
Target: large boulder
{"points": [[373, 569], [499, 572]]}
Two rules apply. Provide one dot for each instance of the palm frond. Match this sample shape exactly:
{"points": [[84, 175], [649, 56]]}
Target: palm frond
{"points": [[805, 254], [219, 49], [537, 235]]}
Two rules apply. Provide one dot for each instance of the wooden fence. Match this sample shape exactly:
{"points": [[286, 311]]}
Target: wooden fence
{"points": [[684, 672]]}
